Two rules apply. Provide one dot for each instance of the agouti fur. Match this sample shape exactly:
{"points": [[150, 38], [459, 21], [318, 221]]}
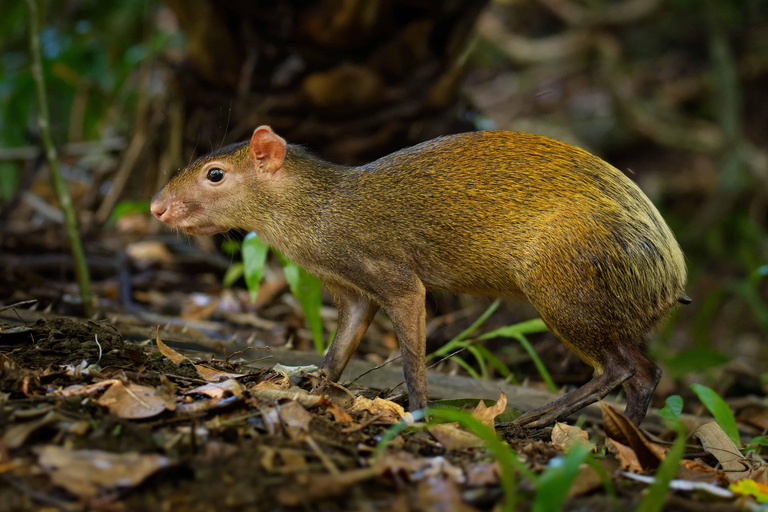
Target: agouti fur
{"points": [[490, 213]]}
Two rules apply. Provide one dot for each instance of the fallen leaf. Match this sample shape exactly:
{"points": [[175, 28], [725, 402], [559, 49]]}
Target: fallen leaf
{"points": [[6, 363], [717, 443], [452, 437], [565, 437], [487, 415], [295, 419], [295, 394], [132, 401], [168, 351], [389, 411], [627, 457], [748, 487], [218, 390], [214, 375], [87, 473], [79, 389], [339, 414], [17, 434], [619, 428]]}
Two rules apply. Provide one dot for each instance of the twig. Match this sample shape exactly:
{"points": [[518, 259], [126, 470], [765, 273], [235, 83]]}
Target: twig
{"points": [[76, 246], [382, 365], [17, 304]]}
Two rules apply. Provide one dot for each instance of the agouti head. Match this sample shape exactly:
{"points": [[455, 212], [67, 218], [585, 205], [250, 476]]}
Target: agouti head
{"points": [[216, 192]]}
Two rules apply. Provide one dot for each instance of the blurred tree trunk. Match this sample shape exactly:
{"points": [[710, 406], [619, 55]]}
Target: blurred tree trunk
{"points": [[352, 79]]}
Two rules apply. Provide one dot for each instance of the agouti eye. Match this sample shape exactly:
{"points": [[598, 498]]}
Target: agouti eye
{"points": [[215, 175]]}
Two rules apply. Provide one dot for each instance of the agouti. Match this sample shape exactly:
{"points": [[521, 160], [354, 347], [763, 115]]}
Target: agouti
{"points": [[488, 213]]}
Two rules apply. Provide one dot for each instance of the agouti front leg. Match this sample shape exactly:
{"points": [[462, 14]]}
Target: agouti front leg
{"points": [[355, 315]]}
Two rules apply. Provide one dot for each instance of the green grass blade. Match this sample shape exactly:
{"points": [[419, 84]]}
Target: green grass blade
{"points": [[657, 492], [459, 341], [520, 329], [467, 367], [554, 483], [719, 410], [537, 362], [493, 361]]}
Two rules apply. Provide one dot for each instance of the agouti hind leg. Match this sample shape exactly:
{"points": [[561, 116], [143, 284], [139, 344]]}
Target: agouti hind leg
{"points": [[618, 367], [640, 387]]}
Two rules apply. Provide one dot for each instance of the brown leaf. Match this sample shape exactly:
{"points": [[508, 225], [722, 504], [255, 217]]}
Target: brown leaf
{"points": [[481, 474], [487, 415], [337, 412], [295, 419], [218, 390], [627, 457], [565, 437], [132, 401], [214, 375], [86, 473], [168, 351], [718, 444], [389, 411], [452, 437], [619, 428]]}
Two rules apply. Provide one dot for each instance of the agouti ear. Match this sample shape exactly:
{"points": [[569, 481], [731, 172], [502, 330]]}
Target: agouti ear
{"points": [[267, 149]]}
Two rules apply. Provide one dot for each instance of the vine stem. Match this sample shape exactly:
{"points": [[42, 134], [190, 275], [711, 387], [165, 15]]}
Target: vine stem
{"points": [[70, 219]]}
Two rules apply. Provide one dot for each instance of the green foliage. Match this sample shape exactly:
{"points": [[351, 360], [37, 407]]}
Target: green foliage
{"points": [[672, 409], [304, 286], [657, 492], [128, 207], [254, 258], [696, 359], [308, 290], [719, 410], [485, 357], [554, 483], [518, 332]]}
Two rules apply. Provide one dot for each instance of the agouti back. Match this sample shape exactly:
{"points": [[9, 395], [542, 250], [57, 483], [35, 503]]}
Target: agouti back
{"points": [[488, 213]]}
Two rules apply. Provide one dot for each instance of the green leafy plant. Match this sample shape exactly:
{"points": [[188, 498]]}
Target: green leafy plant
{"points": [[304, 286], [485, 357], [657, 492], [719, 410], [554, 483]]}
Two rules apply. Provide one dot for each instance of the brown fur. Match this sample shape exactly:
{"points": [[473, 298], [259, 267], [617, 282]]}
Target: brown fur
{"points": [[495, 213]]}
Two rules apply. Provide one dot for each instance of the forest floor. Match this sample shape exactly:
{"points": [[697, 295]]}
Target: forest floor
{"points": [[118, 414]]}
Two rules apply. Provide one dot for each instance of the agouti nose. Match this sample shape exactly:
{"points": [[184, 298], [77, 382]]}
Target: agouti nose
{"points": [[158, 208]]}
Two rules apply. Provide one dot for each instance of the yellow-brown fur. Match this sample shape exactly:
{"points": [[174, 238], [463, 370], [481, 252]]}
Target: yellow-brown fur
{"points": [[494, 213]]}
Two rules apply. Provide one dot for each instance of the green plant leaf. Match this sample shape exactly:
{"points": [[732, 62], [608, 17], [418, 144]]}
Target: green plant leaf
{"points": [[308, 290], [554, 483], [460, 340], [673, 408], [694, 360], [233, 273], [719, 409], [254, 259], [520, 329], [657, 492]]}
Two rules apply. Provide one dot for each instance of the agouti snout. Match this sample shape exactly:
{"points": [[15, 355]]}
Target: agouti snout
{"points": [[494, 213]]}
